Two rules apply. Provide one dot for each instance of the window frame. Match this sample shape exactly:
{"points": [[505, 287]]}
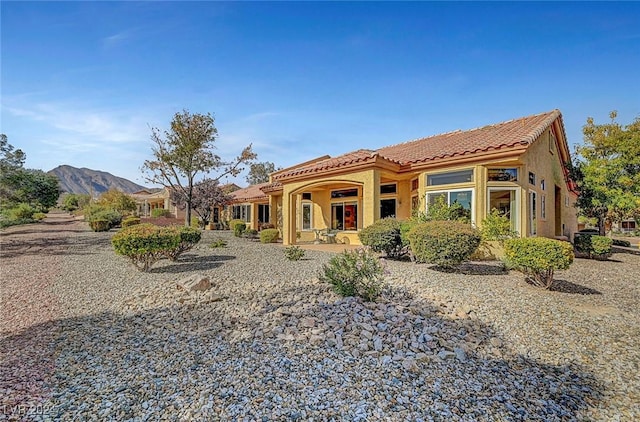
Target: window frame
{"points": [[431, 175], [302, 207], [448, 192], [344, 204], [532, 212], [516, 212], [517, 169]]}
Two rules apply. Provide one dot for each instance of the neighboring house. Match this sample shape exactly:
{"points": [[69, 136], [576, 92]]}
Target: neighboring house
{"points": [[149, 200], [516, 167], [250, 205]]}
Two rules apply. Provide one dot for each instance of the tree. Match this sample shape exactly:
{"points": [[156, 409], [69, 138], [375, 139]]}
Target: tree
{"points": [[10, 159], [117, 201], [259, 172], [74, 201], [207, 194], [607, 171], [186, 150]]}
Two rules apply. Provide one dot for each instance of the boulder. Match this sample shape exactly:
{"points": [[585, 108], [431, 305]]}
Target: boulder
{"points": [[194, 283]]}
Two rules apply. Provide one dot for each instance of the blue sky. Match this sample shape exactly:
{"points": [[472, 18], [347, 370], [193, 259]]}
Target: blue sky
{"points": [[82, 82]]}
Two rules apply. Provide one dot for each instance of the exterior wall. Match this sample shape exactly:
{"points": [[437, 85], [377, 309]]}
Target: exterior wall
{"points": [[546, 165]]}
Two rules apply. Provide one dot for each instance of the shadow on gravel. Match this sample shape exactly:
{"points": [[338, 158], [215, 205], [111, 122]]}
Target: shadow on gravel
{"points": [[75, 245], [564, 286], [473, 268], [163, 356], [191, 262]]}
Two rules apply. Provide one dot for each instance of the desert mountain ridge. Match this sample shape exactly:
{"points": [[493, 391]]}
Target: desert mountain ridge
{"points": [[92, 182]]}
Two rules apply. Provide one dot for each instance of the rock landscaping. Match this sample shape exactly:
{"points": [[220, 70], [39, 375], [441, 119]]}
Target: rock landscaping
{"points": [[242, 333]]}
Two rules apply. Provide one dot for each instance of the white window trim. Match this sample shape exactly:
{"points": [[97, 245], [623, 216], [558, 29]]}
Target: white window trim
{"points": [[515, 212], [473, 199], [532, 214], [310, 205]]}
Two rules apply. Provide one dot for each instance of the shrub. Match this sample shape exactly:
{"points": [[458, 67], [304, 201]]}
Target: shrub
{"points": [[250, 234], [145, 244], [21, 212], [99, 225], [8, 223], [161, 212], [384, 236], [39, 216], [130, 221], [238, 227], [98, 212], [269, 236], [496, 226], [592, 246], [445, 243], [623, 243], [218, 243], [441, 211], [294, 253], [188, 237], [355, 273], [538, 258]]}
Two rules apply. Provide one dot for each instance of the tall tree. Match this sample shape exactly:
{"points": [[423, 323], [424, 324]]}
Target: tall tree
{"points": [[607, 170], [207, 194], [259, 172], [186, 150], [117, 201]]}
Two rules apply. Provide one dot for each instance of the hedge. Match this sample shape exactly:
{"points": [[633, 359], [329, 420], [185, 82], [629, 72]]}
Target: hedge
{"points": [[444, 243], [538, 258], [269, 235], [384, 236]]}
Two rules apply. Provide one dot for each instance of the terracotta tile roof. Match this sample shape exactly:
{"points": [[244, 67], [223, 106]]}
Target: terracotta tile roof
{"points": [[516, 133], [250, 193], [272, 187]]}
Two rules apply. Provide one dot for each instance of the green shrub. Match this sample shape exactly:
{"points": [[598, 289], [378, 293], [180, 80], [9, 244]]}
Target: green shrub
{"points": [[294, 253], [218, 243], [623, 243], [538, 258], [99, 225], [496, 226], [8, 223], [130, 221], [384, 236], [357, 272], [445, 243], [592, 246], [39, 216], [21, 212], [441, 211], [99, 212], [238, 227], [161, 212], [188, 237], [250, 234], [145, 244], [269, 235]]}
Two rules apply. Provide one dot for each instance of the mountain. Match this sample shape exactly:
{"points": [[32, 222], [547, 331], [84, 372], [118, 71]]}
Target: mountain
{"points": [[93, 182]]}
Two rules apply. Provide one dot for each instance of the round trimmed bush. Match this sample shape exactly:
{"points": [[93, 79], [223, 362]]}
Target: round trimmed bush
{"points": [[160, 212], [592, 246], [99, 225], [238, 227], [444, 243], [384, 236], [130, 221], [269, 235], [188, 237], [145, 244], [39, 216], [538, 258]]}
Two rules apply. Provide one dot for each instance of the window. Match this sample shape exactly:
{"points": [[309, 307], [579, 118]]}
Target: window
{"points": [[533, 229], [462, 197], [415, 204], [242, 212], [388, 188], [414, 185], [344, 193], [307, 209], [216, 215], [344, 216], [263, 213], [505, 201], [543, 185], [532, 178], [543, 207], [503, 175], [462, 176], [387, 208], [306, 196]]}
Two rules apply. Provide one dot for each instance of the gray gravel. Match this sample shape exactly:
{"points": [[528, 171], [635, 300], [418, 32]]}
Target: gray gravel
{"points": [[85, 336]]}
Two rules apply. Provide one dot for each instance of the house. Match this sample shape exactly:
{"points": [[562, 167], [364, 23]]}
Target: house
{"points": [[250, 205], [148, 200], [516, 167]]}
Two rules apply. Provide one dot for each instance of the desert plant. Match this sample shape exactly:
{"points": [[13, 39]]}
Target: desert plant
{"points": [[21, 212], [145, 244], [98, 212], [8, 223], [130, 221], [250, 234], [161, 212], [238, 227], [188, 238], [218, 243], [357, 272], [99, 225], [496, 226], [294, 253], [538, 258], [440, 210], [384, 236], [444, 243], [269, 235], [39, 216], [592, 246]]}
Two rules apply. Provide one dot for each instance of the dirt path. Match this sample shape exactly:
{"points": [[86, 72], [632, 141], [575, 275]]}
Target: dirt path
{"points": [[30, 260]]}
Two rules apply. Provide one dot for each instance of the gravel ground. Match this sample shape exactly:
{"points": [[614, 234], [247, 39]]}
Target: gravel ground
{"points": [[85, 336]]}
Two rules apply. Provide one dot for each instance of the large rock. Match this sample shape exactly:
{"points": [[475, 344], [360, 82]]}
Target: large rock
{"points": [[194, 283]]}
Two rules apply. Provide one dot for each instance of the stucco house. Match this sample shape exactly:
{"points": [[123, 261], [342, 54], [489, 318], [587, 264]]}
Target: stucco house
{"points": [[516, 167], [251, 205]]}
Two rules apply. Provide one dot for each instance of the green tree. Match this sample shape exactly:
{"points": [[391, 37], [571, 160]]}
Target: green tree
{"points": [[185, 150], [74, 201], [259, 172], [207, 194], [117, 201], [607, 171]]}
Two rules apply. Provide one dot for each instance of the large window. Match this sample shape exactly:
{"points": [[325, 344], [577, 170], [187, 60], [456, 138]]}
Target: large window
{"points": [[263, 213], [463, 197], [387, 208], [307, 208], [505, 201], [242, 212], [344, 216], [462, 176], [533, 222]]}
